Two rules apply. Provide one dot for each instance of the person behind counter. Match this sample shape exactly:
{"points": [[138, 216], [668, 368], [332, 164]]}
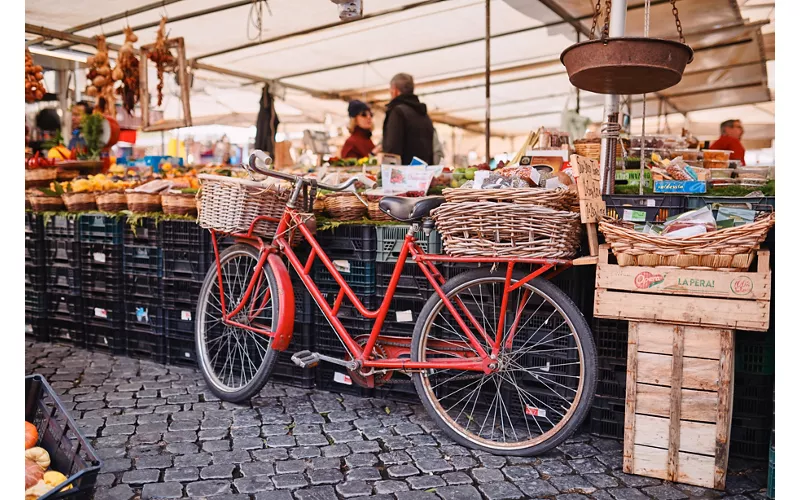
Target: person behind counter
{"points": [[79, 110], [407, 128], [359, 144], [731, 132]]}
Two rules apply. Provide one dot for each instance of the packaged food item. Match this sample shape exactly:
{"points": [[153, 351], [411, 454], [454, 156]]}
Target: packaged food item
{"points": [[721, 173], [733, 217], [687, 154], [752, 172], [700, 217], [716, 158]]}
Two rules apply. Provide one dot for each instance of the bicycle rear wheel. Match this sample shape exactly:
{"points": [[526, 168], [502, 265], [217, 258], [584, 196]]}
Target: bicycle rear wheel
{"points": [[236, 362], [547, 371]]}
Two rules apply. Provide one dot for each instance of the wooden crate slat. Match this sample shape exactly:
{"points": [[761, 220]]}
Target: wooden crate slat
{"points": [[693, 469], [698, 342], [698, 373], [674, 440], [724, 409], [695, 437], [736, 314], [700, 406]]}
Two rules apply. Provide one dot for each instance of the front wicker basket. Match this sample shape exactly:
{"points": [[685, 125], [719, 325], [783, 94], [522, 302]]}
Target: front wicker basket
{"points": [[729, 249], [489, 229]]}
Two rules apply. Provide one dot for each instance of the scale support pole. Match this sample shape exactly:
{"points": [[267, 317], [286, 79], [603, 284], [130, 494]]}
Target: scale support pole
{"points": [[611, 126], [488, 75]]}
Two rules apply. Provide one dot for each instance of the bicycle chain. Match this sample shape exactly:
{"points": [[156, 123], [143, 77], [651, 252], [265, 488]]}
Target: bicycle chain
{"points": [[409, 381]]}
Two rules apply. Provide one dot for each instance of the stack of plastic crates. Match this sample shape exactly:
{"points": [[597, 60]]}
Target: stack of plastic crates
{"points": [[64, 307], [754, 382], [353, 249], [607, 417], [34, 277], [102, 281], [182, 239], [142, 265]]}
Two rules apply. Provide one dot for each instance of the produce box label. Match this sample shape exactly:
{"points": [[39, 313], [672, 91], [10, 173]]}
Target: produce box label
{"points": [[404, 317], [100, 313], [684, 281], [99, 257], [634, 215], [690, 187], [341, 378], [186, 315]]}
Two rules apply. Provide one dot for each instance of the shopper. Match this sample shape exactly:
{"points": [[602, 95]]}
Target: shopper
{"points": [[359, 144], [78, 111], [407, 128], [731, 133]]}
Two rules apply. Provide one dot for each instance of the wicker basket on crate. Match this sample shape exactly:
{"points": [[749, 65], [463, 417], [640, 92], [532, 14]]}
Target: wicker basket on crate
{"points": [[143, 202], [345, 206], [590, 148], [374, 211], [726, 249], [80, 202], [43, 203], [230, 205], [557, 199], [112, 201], [179, 203], [40, 177]]}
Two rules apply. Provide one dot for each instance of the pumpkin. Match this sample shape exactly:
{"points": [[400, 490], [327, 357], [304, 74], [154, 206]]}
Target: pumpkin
{"points": [[53, 478], [31, 435], [36, 490], [33, 473], [38, 455]]}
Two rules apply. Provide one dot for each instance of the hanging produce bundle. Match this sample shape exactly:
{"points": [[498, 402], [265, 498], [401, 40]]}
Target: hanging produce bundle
{"points": [[100, 83], [34, 87], [127, 72], [162, 57]]}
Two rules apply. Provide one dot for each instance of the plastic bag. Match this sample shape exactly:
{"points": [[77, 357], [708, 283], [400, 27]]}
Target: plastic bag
{"points": [[702, 217]]}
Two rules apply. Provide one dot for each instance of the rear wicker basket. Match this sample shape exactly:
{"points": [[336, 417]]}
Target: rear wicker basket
{"points": [[80, 202], [143, 202], [40, 177], [179, 203], [375, 213], [489, 229], [557, 199], [42, 203], [113, 201], [345, 206], [730, 249]]}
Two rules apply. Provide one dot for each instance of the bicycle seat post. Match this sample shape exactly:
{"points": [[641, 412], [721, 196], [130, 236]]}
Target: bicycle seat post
{"points": [[427, 227]]}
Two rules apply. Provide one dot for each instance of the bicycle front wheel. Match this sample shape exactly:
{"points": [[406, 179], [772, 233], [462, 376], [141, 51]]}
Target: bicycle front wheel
{"points": [[546, 375], [236, 362]]}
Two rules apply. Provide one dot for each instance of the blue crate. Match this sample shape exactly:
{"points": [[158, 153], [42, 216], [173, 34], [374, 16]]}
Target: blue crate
{"points": [[100, 228]]}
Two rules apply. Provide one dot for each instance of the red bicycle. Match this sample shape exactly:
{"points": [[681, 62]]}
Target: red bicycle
{"points": [[501, 358]]}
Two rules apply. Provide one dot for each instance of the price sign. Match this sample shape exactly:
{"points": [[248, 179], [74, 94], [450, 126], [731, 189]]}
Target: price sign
{"points": [[591, 200]]}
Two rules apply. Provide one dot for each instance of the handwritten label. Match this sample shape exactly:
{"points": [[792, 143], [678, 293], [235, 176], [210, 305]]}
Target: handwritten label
{"points": [[591, 199]]}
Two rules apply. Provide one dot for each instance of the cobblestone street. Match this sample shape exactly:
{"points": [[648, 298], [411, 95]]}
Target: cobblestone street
{"points": [[161, 434]]}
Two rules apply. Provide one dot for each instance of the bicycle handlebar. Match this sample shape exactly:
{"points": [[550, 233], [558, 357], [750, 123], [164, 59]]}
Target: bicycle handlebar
{"points": [[260, 161]]}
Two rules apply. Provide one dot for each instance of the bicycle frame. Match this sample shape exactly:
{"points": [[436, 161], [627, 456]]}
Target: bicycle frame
{"points": [[292, 220]]}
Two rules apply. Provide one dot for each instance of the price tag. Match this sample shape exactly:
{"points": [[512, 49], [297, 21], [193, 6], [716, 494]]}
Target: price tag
{"points": [[634, 215], [651, 203], [342, 378], [535, 412], [142, 315], [100, 313], [404, 317], [186, 315], [342, 266], [99, 257]]}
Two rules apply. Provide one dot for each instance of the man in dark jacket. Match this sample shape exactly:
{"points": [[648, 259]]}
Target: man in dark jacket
{"points": [[407, 129]]}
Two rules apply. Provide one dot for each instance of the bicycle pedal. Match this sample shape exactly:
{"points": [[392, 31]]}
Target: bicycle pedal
{"points": [[305, 359]]}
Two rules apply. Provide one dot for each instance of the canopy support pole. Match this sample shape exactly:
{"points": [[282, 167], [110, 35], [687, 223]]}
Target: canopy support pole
{"points": [[611, 126], [488, 77]]}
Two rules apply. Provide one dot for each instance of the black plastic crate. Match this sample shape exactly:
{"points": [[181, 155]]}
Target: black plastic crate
{"points": [[70, 452], [63, 280], [142, 260], [412, 285], [142, 287], [359, 274], [181, 351], [61, 226], [35, 277], [452, 269], [657, 207], [185, 264], [755, 352], [102, 283], [104, 338], [143, 316], [141, 232], [36, 327], [287, 373], [104, 311], [607, 417], [402, 316], [753, 394], [392, 238], [34, 226], [355, 242], [185, 235], [65, 331], [336, 379], [149, 346], [180, 322], [750, 437], [178, 293], [34, 251], [578, 283], [101, 257], [100, 228], [611, 339], [304, 305], [759, 203], [399, 388], [62, 253], [64, 307], [611, 379], [325, 338]]}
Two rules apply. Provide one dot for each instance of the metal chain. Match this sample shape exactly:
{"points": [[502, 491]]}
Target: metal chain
{"points": [[594, 20], [607, 21], [677, 21]]}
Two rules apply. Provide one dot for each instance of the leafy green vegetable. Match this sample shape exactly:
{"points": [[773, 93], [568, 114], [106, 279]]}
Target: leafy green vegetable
{"points": [[92, 130]]}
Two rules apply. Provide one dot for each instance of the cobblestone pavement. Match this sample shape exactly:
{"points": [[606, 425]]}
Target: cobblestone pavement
{"points": [[161, 434]]}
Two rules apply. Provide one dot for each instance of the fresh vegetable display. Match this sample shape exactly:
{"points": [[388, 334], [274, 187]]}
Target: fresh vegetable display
{"points": [[34, 87], [36, 161], [31, 435], [38, 480], [162, 57], [92, 130], [100, 84]]}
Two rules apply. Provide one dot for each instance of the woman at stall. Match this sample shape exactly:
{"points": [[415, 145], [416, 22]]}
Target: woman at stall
{"points": [[359, 144]]}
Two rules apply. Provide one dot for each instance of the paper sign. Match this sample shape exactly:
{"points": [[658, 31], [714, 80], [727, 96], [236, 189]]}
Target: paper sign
{"points": [[186, 315], [99, 257], [100, 313], [634, 215], [651, 203], [404, 317], [342, 266], [592, 206], [342, 378]]}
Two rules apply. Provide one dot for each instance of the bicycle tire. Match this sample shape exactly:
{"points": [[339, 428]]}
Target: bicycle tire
{"points": [[210, 284], [581, 331]]}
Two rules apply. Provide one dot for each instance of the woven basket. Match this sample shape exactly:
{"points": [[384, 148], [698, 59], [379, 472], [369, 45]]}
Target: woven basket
{"points": [[488, 229], [80, 202], [345, 206], [557, 199], [42, 203], [40, 177], [143, 202], [113, 201], [67, 175], [592, 149], [730, 249], [375, 213], [179, 204], [319, 206]]}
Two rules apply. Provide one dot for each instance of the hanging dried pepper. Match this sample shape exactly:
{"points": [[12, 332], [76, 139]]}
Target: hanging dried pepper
{"points": [[127, 72], [162, 57]]}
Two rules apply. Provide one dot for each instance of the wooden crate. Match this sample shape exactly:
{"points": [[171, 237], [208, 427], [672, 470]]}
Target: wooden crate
{"points": [[678, 403], [713, 298]]}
